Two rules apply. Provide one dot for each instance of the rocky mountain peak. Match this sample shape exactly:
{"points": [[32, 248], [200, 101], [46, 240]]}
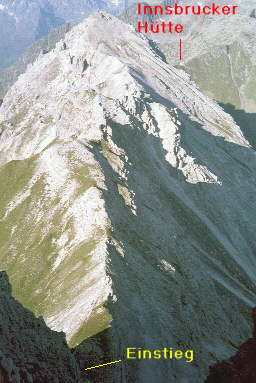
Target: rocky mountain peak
{"points": [[117, 209], [104, 65]]}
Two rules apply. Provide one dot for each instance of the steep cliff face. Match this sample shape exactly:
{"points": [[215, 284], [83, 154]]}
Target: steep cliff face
{"points": [[127, 204], [29, 351]]}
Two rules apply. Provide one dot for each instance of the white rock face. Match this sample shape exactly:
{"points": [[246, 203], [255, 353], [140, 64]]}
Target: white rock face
{"points": [[127, 203]]}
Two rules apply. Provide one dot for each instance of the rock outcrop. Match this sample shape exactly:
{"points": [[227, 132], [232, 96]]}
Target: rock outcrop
{"points": [[240, 368], [253, 14], [29, 350]]}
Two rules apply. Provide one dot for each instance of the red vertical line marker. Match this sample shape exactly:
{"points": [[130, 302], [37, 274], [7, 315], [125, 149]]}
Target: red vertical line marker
{"points": [[180, 49]]}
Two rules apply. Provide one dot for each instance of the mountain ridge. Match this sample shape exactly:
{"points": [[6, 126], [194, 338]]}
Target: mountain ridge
{"points": [[41, 46], [121, 207], [23, 22]]}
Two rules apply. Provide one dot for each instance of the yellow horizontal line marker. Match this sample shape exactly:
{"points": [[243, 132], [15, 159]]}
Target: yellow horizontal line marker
{"points": [[101, 365]]}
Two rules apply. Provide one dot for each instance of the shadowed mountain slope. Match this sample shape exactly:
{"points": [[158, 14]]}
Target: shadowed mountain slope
{"points": [[29, 351]]}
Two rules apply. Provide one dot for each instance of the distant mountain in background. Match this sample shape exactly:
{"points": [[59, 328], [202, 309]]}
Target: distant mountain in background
{"points": [[23, 22], [9, 75]]}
